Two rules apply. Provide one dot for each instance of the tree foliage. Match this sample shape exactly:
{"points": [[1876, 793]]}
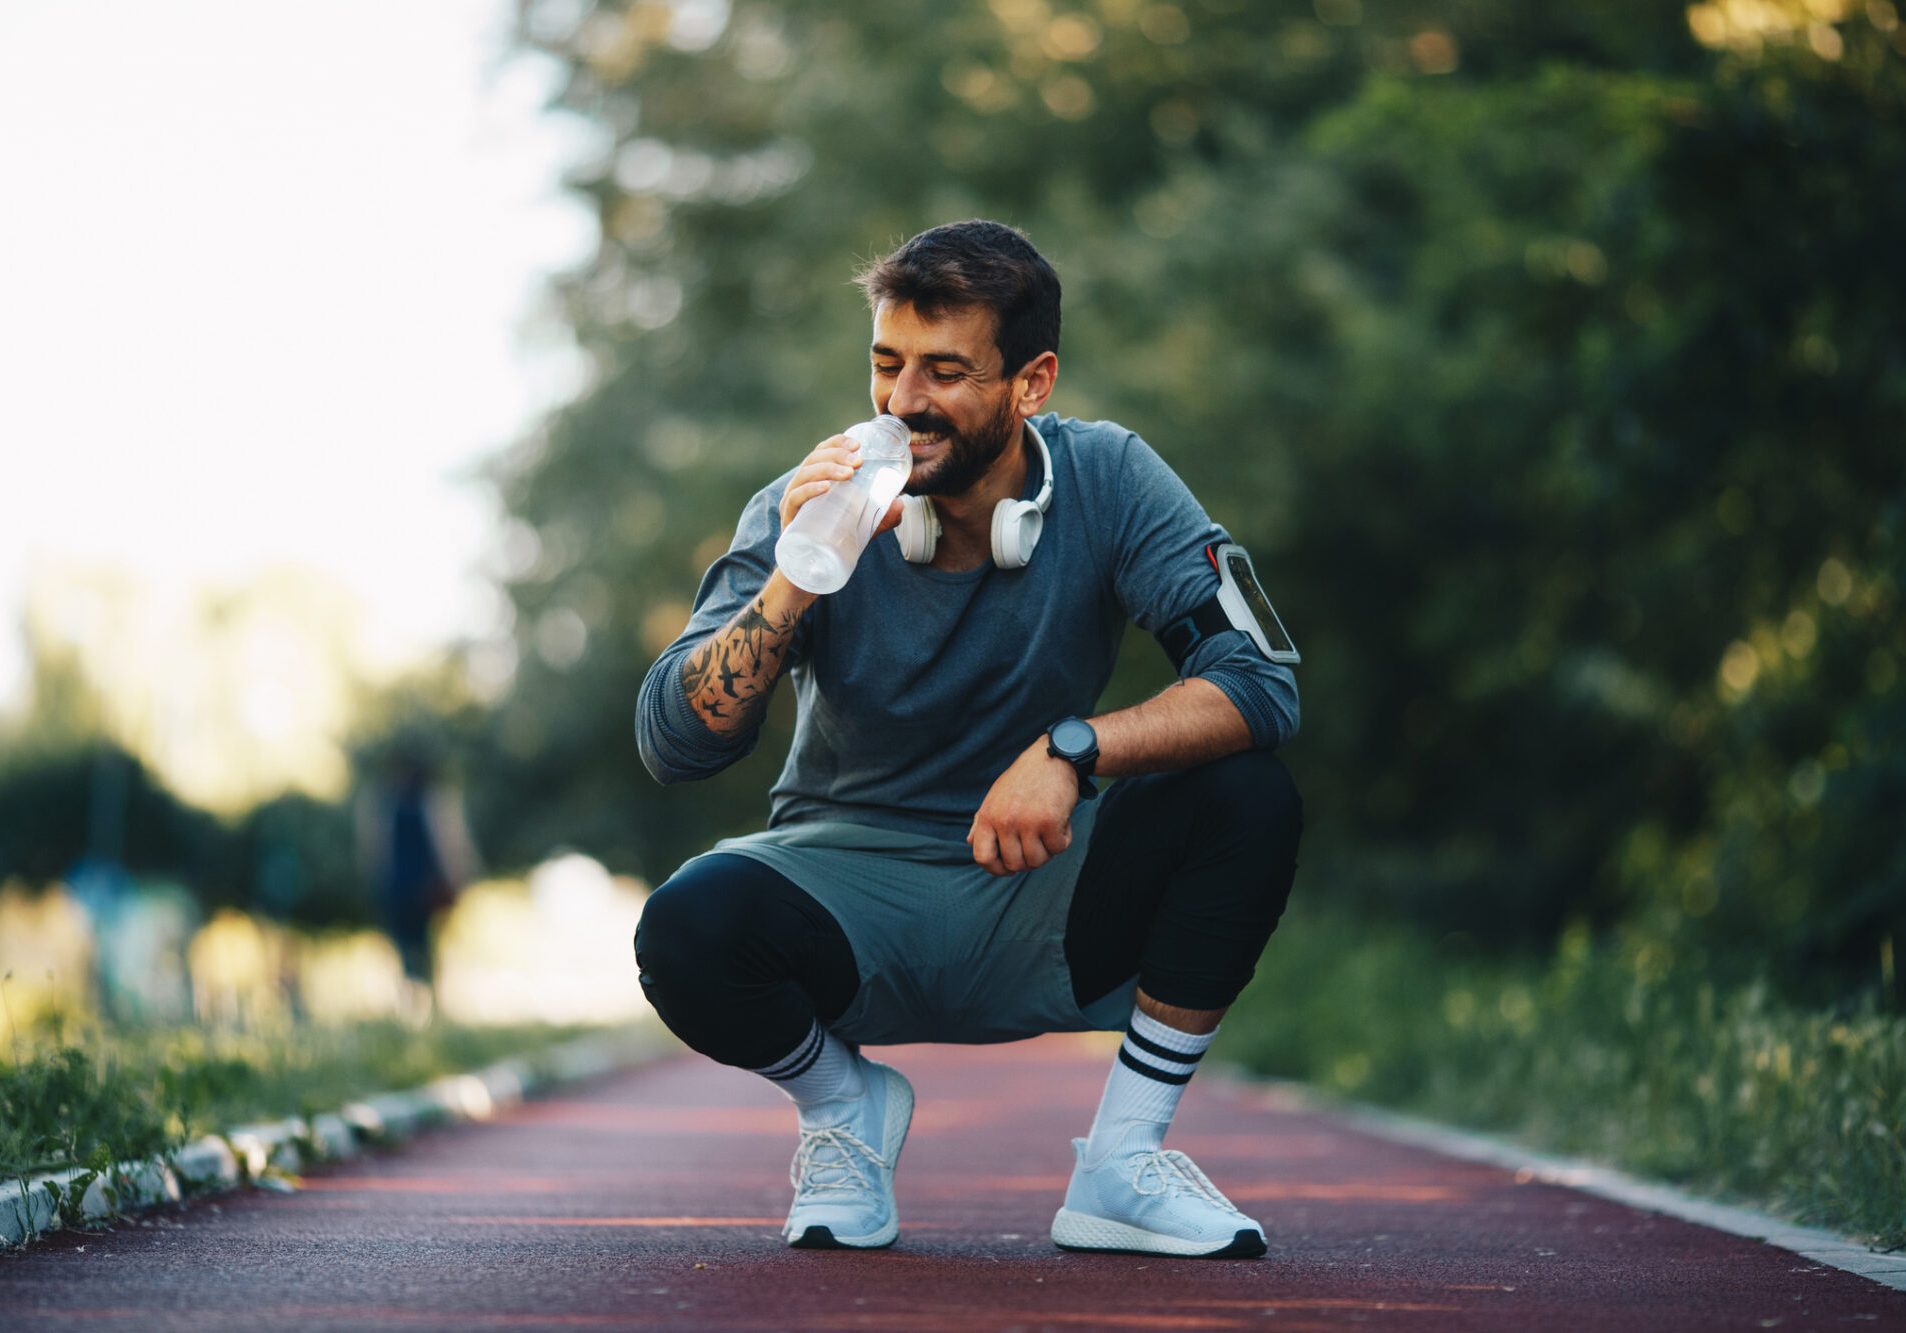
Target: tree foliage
{"points": [[1548, 359], [75, 802]]}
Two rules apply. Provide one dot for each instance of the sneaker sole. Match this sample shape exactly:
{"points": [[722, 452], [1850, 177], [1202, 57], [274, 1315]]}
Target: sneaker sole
{"points": [[899, 1120], [822, 1238], [1082, 1232]]}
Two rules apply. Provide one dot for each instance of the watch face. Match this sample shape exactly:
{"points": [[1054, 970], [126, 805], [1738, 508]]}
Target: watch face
{"points": [[1073, 737]]}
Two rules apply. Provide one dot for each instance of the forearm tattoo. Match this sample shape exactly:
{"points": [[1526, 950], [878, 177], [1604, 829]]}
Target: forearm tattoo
{"points": [[730, 677]]}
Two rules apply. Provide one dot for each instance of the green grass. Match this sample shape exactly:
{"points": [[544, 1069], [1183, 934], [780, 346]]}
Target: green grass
{"points": [[88, 1096], [1610, 1053]]}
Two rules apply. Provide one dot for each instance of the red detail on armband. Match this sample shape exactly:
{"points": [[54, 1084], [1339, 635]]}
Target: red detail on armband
{"points": [[1211, 554]]}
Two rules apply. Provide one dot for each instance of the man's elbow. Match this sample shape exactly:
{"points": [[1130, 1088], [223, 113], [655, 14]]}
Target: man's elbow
{"points": [[1290, 719], [665, 763], [1270, 714], [1276, 713], [670, 760], [662, 771]]}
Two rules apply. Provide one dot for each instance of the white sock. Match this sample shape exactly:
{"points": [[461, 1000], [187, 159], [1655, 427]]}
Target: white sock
{"points": [[1141, 1095], [820, 1069]]}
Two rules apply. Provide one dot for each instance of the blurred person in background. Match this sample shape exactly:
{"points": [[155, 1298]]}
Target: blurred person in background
{"points": [[415, 851], [943, 691]]}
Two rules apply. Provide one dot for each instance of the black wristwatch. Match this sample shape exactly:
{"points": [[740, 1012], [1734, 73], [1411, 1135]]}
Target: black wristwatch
{"points": [[1073, 740]]}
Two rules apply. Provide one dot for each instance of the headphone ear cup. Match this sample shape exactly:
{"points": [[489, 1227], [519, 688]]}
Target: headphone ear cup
{"points": [[1016, 528], [919, 530]]}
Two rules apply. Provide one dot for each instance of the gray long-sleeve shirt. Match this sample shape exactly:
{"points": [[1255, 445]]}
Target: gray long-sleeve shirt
{"points": [[916, 688]]}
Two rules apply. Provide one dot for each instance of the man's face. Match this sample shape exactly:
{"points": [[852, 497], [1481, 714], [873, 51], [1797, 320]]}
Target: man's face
{"points": [[943, 377]]}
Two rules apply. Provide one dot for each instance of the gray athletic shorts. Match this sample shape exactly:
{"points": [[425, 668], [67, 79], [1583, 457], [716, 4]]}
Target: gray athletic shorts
{"points": [[946, 951]]}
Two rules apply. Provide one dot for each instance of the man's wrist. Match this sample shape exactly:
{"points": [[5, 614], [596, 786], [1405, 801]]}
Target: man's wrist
{"points": [[1073, 742], [782, 592]]}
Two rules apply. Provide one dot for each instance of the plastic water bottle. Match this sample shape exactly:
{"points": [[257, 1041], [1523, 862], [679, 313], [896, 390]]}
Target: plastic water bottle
{"points": [[822, 545]]}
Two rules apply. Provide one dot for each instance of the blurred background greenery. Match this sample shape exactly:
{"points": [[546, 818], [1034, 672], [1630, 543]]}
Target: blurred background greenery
{"points": [[1549, 358]]}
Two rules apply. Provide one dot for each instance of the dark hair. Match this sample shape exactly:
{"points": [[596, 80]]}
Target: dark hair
{"points": [[969, 265]]}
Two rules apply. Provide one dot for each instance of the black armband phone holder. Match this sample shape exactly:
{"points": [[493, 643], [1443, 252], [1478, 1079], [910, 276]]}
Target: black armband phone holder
{"points": [[1187, 632]]}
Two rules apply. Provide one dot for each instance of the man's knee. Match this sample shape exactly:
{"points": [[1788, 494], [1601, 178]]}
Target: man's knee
{"points": [[1252, 790], [1257, 814], [696, 916]]}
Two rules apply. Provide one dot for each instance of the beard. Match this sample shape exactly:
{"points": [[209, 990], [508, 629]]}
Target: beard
{"points": [[968, 453]]}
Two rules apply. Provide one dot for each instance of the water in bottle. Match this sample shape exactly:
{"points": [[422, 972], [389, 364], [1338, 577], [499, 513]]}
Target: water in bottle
{"points": [[822, 545]]}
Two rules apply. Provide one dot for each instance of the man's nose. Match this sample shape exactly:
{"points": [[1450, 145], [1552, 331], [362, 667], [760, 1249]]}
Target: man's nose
{"points": [[909, 394]]}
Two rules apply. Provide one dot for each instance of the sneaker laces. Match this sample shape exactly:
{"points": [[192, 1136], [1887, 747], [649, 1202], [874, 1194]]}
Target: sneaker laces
{"points": [[827, 1163], [1167, 1172]]}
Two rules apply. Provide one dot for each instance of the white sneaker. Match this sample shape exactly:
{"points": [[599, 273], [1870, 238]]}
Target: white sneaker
{"points": [[843, 1171], [1150, 1201]]}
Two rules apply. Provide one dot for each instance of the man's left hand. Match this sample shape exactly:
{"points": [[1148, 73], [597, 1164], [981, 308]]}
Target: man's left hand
{"points": [[1026, 819]]}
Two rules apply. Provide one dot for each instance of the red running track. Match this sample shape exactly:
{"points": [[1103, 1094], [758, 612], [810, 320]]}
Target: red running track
{"points": [[652, 1200]]}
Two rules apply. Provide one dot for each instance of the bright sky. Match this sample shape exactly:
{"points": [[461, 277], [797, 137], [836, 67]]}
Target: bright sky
{"points": [[269, 281]]}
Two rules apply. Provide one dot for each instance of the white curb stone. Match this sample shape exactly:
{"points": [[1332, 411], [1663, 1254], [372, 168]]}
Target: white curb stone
{"points": [[253, 1154]]}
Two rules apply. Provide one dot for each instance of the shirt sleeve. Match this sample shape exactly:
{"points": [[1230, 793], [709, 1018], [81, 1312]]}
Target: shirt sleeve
{"points": [[1161, 572], [676, 745]]}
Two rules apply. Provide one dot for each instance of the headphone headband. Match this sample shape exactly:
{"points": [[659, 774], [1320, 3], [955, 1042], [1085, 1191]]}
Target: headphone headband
{"points": [[1044, 498]]}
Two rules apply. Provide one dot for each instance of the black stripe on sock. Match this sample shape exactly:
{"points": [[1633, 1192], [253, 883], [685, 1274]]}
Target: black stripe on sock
{"points": [[813, 1034], [1139, 1066], [804, 1055], [806, 1065], [1150, 1047]]}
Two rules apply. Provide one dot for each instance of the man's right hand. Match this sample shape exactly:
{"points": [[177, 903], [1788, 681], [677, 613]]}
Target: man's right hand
{"points": [[729, 677], [832, 460]]}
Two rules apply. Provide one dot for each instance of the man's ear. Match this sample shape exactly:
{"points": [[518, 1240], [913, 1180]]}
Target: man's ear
{"points": [[1034, 383]]}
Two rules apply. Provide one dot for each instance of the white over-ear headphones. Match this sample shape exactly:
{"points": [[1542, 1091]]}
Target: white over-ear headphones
{"points": [[1016, 523]]}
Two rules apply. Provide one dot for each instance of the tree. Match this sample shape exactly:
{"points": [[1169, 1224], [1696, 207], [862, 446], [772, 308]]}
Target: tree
{"points": [[1495, 329]]}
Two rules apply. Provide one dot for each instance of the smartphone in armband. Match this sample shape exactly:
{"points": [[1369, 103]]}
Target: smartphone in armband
{"points": [[1245, 605]]}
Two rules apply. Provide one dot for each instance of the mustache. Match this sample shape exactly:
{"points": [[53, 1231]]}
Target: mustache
{"points": [[929, 423]]}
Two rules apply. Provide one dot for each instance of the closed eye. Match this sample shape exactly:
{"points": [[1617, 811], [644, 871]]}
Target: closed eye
{"points": [[939, 376]]}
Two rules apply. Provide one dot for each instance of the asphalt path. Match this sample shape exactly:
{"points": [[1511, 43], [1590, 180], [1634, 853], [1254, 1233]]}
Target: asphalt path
{"points": [[653, 1200]]}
